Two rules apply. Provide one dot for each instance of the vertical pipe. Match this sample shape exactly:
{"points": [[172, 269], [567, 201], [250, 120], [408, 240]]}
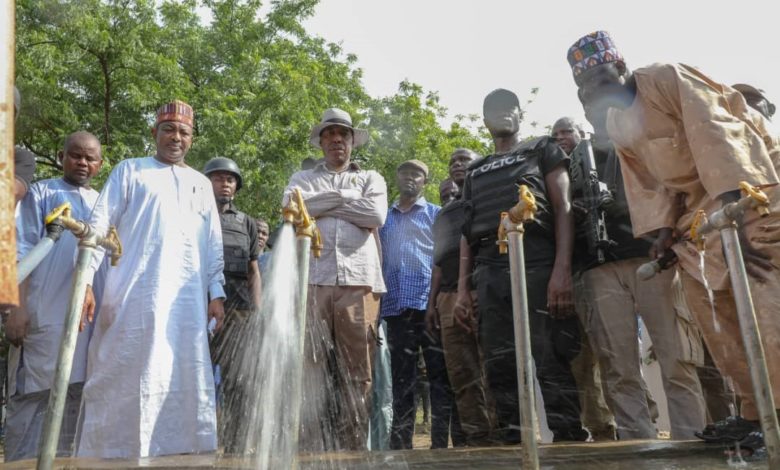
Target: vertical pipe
{"points": [[529, 426], [303, 247], [59, 390], [9, 289], [751, 337]]}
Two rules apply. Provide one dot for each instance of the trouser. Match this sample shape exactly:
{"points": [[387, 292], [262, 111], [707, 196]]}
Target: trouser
{"points": [[339, 354], [718, 393], [595, 414], [464, 369], [554, 343], [423, 390], [726, 346], [406, 333], [24, 423], [614, 298], [382, 395]]}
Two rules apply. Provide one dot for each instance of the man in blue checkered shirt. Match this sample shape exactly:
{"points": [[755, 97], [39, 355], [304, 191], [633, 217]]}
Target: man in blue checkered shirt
{"points": [[407, 252]]}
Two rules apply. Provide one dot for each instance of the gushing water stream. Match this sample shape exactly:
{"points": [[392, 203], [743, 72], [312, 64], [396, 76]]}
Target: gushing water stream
{"points": [[264, 362], [710, 295]]}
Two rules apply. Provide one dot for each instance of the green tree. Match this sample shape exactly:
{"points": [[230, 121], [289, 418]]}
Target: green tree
{"points": [[405, 126], [257, 84], [91, 65]]}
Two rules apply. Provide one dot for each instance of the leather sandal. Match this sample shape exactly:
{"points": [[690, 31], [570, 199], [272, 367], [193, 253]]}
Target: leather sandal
{"points": [[731, 429]]}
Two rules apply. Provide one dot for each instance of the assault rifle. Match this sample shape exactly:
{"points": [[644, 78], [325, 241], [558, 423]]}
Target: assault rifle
{"points": [[595, 196]]}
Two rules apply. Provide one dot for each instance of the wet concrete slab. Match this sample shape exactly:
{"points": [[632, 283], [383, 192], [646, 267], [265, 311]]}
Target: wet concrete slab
{"points": [[622, 455]]}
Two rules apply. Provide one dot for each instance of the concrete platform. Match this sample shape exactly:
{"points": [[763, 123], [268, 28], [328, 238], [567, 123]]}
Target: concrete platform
{"points": [[628, 455]]}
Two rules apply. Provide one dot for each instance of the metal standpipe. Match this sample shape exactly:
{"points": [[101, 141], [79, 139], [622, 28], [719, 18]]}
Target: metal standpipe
{"points": [[724, 221], [510, 238], [308, 238], [751, 337], [9, 289], [59, 389], [88, 242], [303, 245]]}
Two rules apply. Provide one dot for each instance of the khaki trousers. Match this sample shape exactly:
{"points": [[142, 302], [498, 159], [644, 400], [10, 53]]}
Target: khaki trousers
{"points": [[614, 298], [726, 346], [340, 344], [595, 414], [464, 369]]}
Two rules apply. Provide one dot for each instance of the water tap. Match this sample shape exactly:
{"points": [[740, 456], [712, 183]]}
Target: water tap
{"points": [[699, 220], [513, 219], [295, 213]]}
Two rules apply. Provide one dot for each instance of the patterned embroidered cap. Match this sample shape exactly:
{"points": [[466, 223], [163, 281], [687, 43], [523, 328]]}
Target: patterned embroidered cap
{"points": [[177, 111], [593, 49]]}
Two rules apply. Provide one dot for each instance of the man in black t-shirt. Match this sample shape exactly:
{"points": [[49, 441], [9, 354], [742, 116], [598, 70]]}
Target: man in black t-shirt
{"points": [[490, 188], [459, 341]]}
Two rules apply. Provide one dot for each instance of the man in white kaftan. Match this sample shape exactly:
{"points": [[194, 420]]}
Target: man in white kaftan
{"points": [[149, 388], [35, 330]]}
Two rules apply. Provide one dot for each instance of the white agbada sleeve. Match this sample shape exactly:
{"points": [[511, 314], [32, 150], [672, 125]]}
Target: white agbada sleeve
{"points": [[110, 206]]}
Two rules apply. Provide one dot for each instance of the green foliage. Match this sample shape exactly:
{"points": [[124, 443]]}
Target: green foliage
{"points": [[257, 84], [405, 126]]}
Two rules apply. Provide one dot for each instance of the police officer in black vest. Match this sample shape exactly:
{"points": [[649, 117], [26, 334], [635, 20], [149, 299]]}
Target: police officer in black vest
{"points": [[490, 188], [242, 287]]}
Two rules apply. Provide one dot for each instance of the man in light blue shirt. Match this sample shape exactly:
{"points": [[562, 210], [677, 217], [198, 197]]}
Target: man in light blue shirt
{"points": [[407, 252]]}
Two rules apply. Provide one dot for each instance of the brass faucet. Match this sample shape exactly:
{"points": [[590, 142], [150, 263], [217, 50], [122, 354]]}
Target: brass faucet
{"points": [[513, 219], [699, 220], [82, 231], [731, 213], [295, 213], [760, 201]]}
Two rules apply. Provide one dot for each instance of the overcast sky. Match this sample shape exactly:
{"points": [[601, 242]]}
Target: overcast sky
{"points": [[464, 49]]}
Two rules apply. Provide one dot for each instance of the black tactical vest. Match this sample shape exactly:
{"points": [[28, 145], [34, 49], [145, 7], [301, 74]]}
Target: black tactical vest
{"points": [[235, 239], [494, 182], [447, 231]]}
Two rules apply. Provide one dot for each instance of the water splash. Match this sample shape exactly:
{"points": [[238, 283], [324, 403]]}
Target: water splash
{"points": [[735, 459], [258, 408], [715, 322]]}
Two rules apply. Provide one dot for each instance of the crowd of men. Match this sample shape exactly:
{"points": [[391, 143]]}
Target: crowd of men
{"points": [[153, 360]]}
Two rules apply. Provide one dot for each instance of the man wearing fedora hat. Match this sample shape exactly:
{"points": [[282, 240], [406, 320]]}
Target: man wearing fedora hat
{"points": [[350, 204]]}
